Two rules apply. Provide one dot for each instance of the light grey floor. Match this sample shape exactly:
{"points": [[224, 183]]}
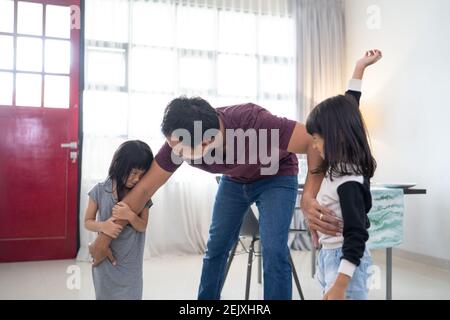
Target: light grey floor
{"points": [[177, 277]]}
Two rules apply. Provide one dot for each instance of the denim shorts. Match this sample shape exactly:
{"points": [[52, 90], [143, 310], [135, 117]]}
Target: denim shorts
{"points": [[328, 265]]}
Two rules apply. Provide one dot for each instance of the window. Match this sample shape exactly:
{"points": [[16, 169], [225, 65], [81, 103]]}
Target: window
{"points": [[154, 51], [34, 54]]}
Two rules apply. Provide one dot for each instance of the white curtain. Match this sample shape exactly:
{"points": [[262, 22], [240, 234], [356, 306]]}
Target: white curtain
{"points": [[141, 54], [321, 51], [320, 42]]}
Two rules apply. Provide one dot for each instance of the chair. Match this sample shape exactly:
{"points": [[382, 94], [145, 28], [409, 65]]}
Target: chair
{"points": [[250, 229], [304, 229]]}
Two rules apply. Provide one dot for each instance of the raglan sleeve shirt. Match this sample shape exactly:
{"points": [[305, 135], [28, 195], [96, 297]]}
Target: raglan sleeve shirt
{"points": [[355, 201]]}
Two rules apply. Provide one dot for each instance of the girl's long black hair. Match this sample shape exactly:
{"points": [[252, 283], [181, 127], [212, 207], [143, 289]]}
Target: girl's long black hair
{"points": [[130, 155], [339, 122]]}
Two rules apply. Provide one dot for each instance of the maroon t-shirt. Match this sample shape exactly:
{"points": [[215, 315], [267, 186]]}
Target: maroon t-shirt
{"points": [[246, 116]]}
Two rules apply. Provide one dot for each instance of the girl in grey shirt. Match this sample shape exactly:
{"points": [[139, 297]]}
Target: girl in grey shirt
{"points": [[124, 279]]}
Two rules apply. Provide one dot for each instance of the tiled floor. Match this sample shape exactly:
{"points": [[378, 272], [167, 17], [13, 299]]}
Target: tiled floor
{"points": [[177, 277]]}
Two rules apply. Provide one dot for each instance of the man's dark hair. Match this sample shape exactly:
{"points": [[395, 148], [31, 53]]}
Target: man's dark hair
{"points": [[182, 112]]}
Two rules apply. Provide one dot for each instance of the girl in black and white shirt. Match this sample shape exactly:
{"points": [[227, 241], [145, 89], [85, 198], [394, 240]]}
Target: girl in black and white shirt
{"points": [[340, 136]]}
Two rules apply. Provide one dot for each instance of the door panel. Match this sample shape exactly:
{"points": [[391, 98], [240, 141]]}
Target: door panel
{"points": [[38, 116]]}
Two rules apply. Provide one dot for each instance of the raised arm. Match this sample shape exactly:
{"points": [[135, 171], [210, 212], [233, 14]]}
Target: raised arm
{"points": [[369, 58], [301, 143]]}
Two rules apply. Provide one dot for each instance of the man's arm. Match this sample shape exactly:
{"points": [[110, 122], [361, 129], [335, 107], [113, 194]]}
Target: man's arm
{"points": [[301, 142], [135, 199], [146, 188], [137, 221]]}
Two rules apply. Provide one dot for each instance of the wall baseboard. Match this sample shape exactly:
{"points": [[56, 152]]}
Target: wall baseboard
{"points": [[422, 258]]}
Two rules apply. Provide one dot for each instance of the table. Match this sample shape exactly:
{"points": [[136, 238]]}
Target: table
{"points": [[389, 249], [386, 201]]}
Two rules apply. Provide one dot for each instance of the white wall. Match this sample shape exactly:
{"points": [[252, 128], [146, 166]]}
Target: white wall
{"points": [[406, 102]]}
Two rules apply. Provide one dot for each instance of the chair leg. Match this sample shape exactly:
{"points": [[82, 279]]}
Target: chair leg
{"points": [[297, 282], [249, 269], [260, 264], [313, 260], [230, 260]]}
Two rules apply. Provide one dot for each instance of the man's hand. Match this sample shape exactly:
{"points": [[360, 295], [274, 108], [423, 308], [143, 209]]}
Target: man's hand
{"points": [[320, 219], [99, 250]]}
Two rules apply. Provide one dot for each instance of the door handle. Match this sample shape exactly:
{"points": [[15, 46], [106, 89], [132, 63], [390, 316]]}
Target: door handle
{"points": [[69, 145]]}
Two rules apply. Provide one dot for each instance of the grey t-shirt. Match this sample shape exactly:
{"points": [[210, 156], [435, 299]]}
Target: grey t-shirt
{"points": [[123, 281]]}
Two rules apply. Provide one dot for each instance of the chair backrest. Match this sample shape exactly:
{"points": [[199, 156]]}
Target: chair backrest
{"points": [[250, 224]]}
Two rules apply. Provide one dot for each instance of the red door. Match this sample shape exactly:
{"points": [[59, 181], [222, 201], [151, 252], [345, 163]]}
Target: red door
{"points": [[39, 77]]}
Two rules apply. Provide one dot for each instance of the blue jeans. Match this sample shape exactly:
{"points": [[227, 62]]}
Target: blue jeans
{"points": [[275, 198], [328, 265]]}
